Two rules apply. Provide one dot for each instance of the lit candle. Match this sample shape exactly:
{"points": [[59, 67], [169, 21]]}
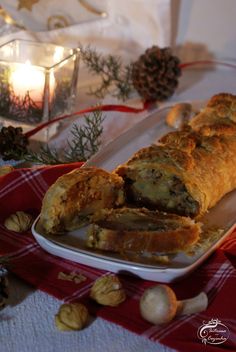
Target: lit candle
{"points": [[28, 79]]}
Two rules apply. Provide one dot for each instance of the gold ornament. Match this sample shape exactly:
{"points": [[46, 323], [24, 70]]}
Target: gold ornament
{"points": [[108, 291], [8, 19], [55, 22], [92, 9], [26, 4]]}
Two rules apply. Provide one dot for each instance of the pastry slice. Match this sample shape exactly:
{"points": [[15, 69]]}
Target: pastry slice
{"points": [[74, 197], [141, 230]]}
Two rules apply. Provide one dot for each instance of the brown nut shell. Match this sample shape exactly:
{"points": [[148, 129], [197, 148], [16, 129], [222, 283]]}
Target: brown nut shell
{"points": [[72, 316], [19, 221], [108, 291]]}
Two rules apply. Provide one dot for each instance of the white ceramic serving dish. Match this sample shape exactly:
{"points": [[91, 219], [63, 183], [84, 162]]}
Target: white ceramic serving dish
{"points": [[72, 245]]}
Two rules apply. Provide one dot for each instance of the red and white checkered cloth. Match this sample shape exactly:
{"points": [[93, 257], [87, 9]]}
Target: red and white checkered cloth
{"points": [[23, 189]]}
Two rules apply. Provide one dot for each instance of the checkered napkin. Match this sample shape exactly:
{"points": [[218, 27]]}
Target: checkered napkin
{"points": [[23, 189]]}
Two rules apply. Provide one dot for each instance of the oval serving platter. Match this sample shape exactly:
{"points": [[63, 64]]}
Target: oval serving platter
{"points": [[72, 245]]}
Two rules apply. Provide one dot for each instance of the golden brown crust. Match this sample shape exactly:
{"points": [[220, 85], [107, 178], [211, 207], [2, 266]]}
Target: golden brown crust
{"points": [[196, 166], [218, 117], [141, 230], [159, 154], [202, 157], [185, 140], [75, 196]]}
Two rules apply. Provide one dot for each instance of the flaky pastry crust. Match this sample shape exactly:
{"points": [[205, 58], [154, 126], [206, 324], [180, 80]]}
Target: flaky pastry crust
{"points": [[74, 197], [142, 230], [189, 170]]}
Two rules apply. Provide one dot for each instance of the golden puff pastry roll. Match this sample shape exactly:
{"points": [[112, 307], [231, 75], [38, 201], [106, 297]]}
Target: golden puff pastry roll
{"points": [[74, 197], [141, 230], [189, 171], [218, 117]]}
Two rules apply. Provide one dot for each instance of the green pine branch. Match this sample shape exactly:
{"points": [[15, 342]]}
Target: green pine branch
{"points": [[115, 77], [85, 142], [86, 139]]}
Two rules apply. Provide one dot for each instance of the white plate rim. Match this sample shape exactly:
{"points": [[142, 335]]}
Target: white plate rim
{"points": [[138, 268], [142, 270]]}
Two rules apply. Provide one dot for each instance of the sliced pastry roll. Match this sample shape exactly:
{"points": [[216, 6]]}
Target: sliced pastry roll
{"points": [[190, 170], [74, 197], [141, 230]]}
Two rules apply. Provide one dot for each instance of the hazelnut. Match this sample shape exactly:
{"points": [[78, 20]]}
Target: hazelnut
{"points": [[71, 316], [19, 222], [108, 291]]}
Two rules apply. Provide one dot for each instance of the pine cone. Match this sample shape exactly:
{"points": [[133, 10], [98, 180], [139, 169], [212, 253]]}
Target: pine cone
{"points": [[155, 74], [4, 292], [13, 143]]}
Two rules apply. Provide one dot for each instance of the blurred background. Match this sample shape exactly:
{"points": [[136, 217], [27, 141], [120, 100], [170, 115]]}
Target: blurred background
{"points": [[196, 28]]}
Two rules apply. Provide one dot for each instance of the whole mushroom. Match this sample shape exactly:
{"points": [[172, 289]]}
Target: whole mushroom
{"points": [[179, 115], [159, 305]]}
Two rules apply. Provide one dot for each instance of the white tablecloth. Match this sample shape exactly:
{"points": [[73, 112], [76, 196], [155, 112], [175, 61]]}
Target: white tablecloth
{"points": [[28, 325]]}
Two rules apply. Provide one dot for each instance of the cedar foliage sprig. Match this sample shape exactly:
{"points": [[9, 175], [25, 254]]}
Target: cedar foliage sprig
{"points": [[46, 155], [115, 77], [86, 139], [84, 143]]}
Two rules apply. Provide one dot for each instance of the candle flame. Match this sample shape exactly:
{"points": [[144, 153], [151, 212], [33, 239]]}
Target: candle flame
{"points": [[28, 79]]}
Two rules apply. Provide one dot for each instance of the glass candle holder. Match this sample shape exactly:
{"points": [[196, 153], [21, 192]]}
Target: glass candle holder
{"points": [[38, 81]]}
